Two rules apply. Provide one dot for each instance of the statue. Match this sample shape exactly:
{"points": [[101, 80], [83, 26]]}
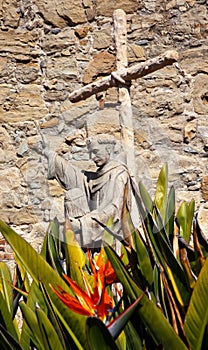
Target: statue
{"points": [[91, 196]]}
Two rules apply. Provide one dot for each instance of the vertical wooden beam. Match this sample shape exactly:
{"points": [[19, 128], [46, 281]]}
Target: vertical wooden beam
{"points": [[125, 111]]}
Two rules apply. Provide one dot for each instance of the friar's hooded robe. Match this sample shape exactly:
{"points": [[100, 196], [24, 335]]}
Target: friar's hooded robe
{"points": [[94, 195]]}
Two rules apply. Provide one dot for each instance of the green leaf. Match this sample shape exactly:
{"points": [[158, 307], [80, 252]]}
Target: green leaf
{"points": [[75, 258], [24, 275], [6, 285], [156, 284], [196, 319], [116, 327], [161, 191], [185, 219], [39, 269], [190, 216], [133, 340], [167, 259], [7, 341], [182, 219], [32, 322], [143, 258], [50, 338], [56, 235], [98, 335], [170, 212], [6, 318], [146, 197], [121, 341], [34, 297], [160, 225], [151, 316], [53, 318], [107, 237], [53, 253]]}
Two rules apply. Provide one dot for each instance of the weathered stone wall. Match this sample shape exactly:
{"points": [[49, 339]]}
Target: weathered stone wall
{"points": [[49, 48]]}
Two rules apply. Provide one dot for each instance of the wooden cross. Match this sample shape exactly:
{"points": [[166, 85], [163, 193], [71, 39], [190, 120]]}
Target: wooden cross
{"points": [[122, 79]]}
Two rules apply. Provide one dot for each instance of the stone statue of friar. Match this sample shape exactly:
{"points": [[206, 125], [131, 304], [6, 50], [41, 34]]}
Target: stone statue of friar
{"points": [[94, 195]]}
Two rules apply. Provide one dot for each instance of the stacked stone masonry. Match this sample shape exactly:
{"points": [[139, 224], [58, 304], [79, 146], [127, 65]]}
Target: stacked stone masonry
{"points": [[50, 48]]}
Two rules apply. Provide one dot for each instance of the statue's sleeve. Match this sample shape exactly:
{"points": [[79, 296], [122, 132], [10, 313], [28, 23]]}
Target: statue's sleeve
{"points": [[72, 180], [110, 206], [60, 169]]}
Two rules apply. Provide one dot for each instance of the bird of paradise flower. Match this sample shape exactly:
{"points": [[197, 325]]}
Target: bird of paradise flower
{"points": [[92, 301]]}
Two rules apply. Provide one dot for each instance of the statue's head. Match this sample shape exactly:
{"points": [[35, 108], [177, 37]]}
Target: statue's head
{"points": [[101, 148]]}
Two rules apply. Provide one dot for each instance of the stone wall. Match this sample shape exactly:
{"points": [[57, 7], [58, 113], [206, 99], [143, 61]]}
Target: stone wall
{"points": [[48, 49]]}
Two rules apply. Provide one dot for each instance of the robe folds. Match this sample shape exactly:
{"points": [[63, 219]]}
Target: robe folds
{"points": [[94, 195]]}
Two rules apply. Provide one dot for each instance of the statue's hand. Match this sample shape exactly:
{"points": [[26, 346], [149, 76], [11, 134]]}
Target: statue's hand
{"points": [[76, 225]]}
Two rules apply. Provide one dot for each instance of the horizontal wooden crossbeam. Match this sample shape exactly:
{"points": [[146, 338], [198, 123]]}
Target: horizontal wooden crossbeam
{"points": [[136, 71]]}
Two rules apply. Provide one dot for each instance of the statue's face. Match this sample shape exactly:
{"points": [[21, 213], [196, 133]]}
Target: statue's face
{"points": [[99, 153]]}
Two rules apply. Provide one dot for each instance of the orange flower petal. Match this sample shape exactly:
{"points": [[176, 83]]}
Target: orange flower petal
{"points": [[105, 303], [91, 263], [100, 259], [87, 284], [94, 302], [72, 302], [82, 296]]}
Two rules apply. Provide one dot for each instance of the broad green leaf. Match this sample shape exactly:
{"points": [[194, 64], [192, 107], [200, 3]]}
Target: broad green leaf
{"points": [[34, 297], [50, 338], [6, 285], [162, 296], [107, 237], [37, 295], [121, 341], [190, 215], [175, 283], [54, 319], [156, 282], [116, 327], [161, 191], [159, 290], [185, 219], [24, 274], [75, 257], [146, 197], [168, 261], [143, 258], [133, 340], [98, 335], [53, 246], [32, 322], [151, 316], [182, 219], [196, 319], [170, 212], [70, 323], [39, 269], [7, 341], [159, 225], [56, 235], [6, 318], [53, 254]]}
